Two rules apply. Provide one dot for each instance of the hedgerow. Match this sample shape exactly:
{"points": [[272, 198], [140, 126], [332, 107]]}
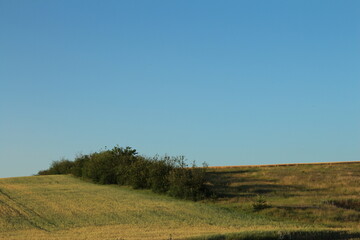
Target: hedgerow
{"points": [[123, 166]]}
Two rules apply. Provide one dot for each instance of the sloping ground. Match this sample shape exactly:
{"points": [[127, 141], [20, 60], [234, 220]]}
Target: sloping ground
{"points": [[63, 207], [328, 193], [303, 202]]}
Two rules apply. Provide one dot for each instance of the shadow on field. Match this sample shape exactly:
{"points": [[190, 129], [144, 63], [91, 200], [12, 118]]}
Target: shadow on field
{"points": [[231, 184], [298, 235]]}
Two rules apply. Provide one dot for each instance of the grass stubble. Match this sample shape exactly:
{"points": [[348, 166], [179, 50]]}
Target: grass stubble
{"points": [[303, 201]]}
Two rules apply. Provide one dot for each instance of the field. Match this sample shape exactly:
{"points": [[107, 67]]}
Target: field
{"points": [[306, 200], [328, 194]]}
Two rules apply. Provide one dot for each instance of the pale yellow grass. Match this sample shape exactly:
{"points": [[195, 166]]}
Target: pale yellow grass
{"points": [[125, 231], [63, 207], [131, 232]]}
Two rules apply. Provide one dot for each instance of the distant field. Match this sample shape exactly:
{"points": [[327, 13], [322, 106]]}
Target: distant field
{"points": [[286, 164], [316, 198], [326, 193]]}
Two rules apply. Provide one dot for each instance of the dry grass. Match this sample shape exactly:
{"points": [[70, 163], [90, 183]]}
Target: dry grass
{"points": [[124, 231], [301, 193], [302, 198], [63, 207]]}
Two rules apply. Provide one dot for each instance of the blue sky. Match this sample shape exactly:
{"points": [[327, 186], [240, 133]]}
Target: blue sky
{"points": [[226, 82]]}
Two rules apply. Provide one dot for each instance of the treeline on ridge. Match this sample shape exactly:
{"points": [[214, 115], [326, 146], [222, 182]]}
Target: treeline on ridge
{"points": [[123, 166]]}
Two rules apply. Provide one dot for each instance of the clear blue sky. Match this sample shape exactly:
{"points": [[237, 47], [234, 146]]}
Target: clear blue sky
{"points": [[226, 82]]}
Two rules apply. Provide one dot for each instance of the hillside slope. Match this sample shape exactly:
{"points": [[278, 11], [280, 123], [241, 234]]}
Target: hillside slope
{"points": [[63, 207], [327, 193], [310, 198]]}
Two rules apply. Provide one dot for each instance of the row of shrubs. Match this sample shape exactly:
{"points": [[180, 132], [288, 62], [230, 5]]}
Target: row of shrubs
{"points": [[123, 166]]}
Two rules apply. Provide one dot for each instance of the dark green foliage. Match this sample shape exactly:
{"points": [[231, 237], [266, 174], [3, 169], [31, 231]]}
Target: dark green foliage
{"points": [[159, 172], [139, 174], [123, 166], [109, 166], [79, 163], [101, 168], [187, 182], [62, 166], [125, 158]]}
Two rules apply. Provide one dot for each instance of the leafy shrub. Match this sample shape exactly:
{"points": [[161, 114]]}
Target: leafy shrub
{"points": [[100, 168], [62, 166], [188, 182], [170, 175], [110, 166], [159, 172], [139, 173], [78, 166], [125, 157]]}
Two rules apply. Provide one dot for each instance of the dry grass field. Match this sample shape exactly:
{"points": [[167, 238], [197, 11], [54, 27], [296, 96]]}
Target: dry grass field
{"points": [[310, 199], [63, 207], [328, 194]]}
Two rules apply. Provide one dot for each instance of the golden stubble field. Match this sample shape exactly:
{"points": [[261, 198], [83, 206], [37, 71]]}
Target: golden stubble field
{"points": [[63, 207], [300, 198]]}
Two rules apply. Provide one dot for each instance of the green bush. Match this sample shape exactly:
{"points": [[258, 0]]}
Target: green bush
{"points": [[159, 172], [122, 166], [125, 158], [139, 174], [188, 182], [78, 166], [62, 166]]}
